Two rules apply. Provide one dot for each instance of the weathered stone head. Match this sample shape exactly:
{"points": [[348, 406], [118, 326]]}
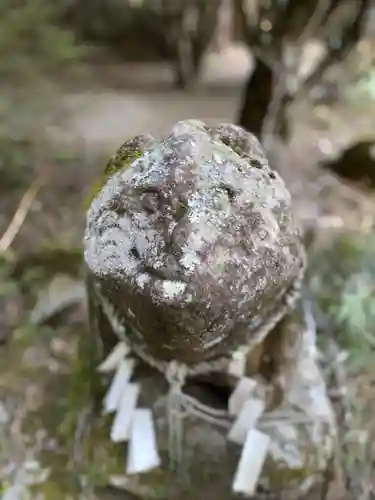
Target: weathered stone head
{"points": [[193, 242]]}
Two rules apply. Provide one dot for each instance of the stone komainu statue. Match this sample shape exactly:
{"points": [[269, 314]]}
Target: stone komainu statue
{"points": [[195, 245], [195, 261]]}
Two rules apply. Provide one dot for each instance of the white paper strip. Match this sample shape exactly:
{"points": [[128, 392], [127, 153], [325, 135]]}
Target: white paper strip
{"points": [[142, 452], [252, 459], [240, 394], [120, 380], [237, 365], [111, 362], [120, 430], [247, 419]]}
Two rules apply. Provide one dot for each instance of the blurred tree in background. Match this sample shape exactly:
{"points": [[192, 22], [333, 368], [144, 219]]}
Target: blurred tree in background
{"points": [[276, 31], [32, 43], [176, 30], [34, 51], [40, 40]]}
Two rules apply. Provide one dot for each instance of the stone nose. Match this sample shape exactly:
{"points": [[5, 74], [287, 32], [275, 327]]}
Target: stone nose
{"points": [[179, 208], [178, 237], [178, 223]]}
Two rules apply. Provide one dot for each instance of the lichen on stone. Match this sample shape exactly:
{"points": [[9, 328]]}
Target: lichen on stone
{"points": [[194, 244]]}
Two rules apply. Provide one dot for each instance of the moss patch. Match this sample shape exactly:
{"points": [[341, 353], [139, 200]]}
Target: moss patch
{"points": [[121, 160]]}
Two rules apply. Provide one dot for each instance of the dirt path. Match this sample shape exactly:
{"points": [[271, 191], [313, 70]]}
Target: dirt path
{"points": [[140, 98]]}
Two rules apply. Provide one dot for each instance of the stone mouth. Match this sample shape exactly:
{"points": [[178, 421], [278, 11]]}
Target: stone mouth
{"points": [[164, 274]]}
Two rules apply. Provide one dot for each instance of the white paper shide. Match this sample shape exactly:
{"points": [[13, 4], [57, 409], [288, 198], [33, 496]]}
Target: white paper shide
{"points": [[130, 424]]}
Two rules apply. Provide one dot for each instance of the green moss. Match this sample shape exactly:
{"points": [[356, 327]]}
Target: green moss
{"points": [[288, 478], [341, 279], [121, 160]]}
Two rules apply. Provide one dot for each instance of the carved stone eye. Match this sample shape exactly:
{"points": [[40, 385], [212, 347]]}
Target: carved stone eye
{"points": [[255, 162], [134, 253], [180, 209], [150, 201], [116, 205], [229, 192]]}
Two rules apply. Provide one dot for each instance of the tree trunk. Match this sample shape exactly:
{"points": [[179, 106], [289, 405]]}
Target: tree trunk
{"points": [[256, 101]]}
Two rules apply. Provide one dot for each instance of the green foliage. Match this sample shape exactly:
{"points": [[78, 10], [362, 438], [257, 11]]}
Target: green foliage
{"points": [[34, 52], [8, 286], [342, 282], [16, 158], [32, 43]]}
